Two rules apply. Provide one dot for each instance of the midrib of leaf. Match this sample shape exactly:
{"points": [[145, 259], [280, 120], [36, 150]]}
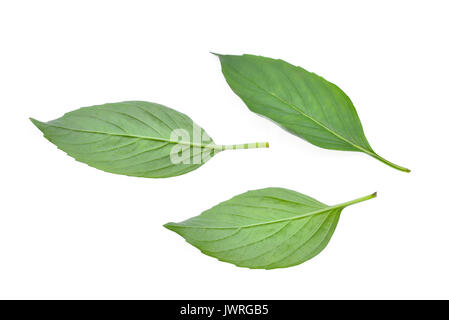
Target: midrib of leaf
{"points": [[372, 154], [216, 147], [308, 214]]}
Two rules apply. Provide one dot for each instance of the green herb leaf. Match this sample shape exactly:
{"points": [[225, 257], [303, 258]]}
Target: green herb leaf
{"points": [[134, 138], [301, 102], [264, 229]]}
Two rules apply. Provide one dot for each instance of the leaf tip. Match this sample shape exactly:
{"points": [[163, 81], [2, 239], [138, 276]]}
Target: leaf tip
{"points": [[216, 54], [374, 194], [169, 226], [37, 123]]}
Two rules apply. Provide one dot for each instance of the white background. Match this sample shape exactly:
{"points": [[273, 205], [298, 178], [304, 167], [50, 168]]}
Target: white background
{"points": [[70, 231]]}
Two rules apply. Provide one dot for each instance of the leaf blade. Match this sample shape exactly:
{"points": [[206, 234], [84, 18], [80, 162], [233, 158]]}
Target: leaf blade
{"points": [[263, 229], [301, 102]]}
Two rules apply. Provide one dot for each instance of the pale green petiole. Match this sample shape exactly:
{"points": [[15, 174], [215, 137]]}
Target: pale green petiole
{"points": [[345, 204], [255, 145], [388, 163]]}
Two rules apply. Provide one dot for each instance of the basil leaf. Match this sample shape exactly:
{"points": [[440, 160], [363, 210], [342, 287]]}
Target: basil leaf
{"points": [[134, 138], [264, 229], [299, 101]]}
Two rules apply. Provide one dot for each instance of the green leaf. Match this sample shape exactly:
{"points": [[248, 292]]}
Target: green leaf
{"points": [[299, 101], [264, 229], [134, 138]]}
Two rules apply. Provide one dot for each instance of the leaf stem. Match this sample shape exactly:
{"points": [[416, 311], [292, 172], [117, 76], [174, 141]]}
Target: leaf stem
{"points": [[391, 164], [345, 204], [255, 145]]}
